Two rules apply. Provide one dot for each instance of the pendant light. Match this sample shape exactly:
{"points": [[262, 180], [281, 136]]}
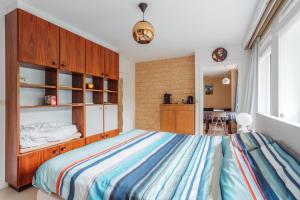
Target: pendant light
{"points": [[143, 31], [225, 80]]}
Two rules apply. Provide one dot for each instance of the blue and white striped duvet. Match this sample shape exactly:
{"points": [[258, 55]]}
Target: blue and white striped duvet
{"points": [[156, 165], [137, 165]]}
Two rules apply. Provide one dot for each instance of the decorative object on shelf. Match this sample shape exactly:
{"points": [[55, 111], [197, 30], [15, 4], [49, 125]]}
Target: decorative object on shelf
{"points": [[190, 100], [90, 86], [23, 79], [143, 31], [209, 89], [219, 54], [50, 100], [167, 98], [244, 120]]}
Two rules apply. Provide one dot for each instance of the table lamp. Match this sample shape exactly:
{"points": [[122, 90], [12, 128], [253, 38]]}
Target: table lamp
{"points": [[244, 120]]}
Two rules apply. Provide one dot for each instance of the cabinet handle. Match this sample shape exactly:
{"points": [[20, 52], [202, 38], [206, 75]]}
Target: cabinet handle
{"points": [[54, 63], [63, 65], [55, 151], [63, 148]]}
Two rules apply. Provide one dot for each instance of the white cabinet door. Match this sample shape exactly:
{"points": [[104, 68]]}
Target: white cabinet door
{"points": [[110, 117], [94, 120]]}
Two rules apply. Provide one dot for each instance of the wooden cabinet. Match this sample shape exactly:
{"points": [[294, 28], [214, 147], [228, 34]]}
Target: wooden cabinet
{"points": [[72, 52], [38, 40], [167, 120], [29, 162], [111, 65], [63, 148], [35, 44], [110, 117], [177, 118], [94, 59]]}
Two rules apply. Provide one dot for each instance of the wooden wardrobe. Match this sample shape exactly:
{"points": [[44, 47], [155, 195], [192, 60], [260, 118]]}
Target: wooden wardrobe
{"points": [[33, 44]]}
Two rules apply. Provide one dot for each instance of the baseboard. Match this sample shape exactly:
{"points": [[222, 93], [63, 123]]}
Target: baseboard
{"points": [[3, 184]]}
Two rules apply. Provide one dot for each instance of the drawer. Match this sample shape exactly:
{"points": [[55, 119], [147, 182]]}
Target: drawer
{"points": [[93, 138], [63, 148], [28, 163], [110, 134]]}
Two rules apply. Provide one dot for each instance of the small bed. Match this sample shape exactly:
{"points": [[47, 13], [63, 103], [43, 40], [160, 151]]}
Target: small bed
{"points": [[159, 165]]}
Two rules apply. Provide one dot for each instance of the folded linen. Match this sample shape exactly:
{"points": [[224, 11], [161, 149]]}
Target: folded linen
{"points": [[74, 136], [41, 133]]}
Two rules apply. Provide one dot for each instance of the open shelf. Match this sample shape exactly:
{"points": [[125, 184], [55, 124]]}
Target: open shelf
{"points": [[94, 96], [64, 87], [71, 105], [93, 90], [49, 106], [93, 104], [35, 85], [38, 106], [110, 91]]}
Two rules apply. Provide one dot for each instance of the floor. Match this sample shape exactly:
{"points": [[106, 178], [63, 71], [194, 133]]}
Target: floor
{"points": [[11, 194]]}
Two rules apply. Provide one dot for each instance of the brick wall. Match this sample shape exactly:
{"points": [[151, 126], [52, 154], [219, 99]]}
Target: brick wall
{"points": [[153, 79]]}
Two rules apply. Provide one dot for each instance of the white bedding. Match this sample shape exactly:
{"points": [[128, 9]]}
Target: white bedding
{"points": [[38, 134]]}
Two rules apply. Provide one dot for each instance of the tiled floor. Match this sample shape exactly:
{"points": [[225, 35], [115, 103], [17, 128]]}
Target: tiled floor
{"points": [[11, 194]]}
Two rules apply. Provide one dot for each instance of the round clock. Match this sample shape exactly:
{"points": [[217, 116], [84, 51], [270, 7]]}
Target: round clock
{"points": [[219, 54]]}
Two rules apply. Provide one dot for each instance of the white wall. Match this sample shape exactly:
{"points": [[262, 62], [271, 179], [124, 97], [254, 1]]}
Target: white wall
{"points": [[127, 72], [2, 98], [236, 55]]}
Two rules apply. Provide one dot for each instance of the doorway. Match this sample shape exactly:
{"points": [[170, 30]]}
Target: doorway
{"points": [[220, 99]]}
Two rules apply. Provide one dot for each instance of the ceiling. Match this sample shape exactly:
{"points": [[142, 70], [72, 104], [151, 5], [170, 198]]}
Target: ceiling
{"points": [[218, 71], [181, 26]]}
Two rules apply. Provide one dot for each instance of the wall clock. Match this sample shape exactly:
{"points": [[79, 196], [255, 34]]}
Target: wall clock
{"points": [[219, 54]]}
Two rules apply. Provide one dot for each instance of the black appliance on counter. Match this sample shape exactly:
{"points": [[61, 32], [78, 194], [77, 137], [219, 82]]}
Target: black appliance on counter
{"points": [[167, 98], [190, 100]]}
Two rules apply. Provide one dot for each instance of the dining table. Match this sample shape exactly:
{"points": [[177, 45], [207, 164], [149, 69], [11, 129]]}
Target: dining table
{"points": [[230, 118]]}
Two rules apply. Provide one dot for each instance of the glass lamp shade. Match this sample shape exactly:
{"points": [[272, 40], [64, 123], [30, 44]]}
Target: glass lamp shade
{"points": [[244, 120], [225, 81], [143, 32]]}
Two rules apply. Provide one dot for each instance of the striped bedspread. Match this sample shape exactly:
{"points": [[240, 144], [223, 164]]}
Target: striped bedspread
{"points": [[157, 165], [267, 171], [137, 165]]}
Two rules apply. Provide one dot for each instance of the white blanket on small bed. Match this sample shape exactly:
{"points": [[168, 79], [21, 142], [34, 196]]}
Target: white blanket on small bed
{"points": [[41, 133]]}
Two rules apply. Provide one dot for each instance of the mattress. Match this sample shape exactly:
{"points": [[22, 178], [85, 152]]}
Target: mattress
{"points": [[159, 165]]}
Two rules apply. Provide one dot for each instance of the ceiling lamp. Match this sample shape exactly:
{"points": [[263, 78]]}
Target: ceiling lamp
{"points": [[225, 81], [143, 31]]}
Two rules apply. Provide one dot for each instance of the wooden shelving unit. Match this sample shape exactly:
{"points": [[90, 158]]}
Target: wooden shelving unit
{"points": [[60, 67]]}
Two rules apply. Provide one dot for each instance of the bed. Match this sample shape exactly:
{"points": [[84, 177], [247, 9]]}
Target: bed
{"points": [[160, 165]]}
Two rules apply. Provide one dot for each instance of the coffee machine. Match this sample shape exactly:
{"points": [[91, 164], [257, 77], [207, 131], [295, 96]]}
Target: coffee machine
{"points": [[190, 100], [167, 98]]}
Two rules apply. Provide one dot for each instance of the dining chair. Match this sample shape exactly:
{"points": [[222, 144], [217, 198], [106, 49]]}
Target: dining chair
{"points": [[218, 118]]}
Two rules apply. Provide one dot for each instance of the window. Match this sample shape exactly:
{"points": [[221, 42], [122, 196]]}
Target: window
{"points": [[289, 73], [264, 65]]}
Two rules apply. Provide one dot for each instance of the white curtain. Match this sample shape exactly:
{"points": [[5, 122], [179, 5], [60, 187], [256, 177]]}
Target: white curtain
{"points": [[251, 84]]}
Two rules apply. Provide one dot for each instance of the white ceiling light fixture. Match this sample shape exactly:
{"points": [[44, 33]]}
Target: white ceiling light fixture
{"points": [[225, 80]]}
